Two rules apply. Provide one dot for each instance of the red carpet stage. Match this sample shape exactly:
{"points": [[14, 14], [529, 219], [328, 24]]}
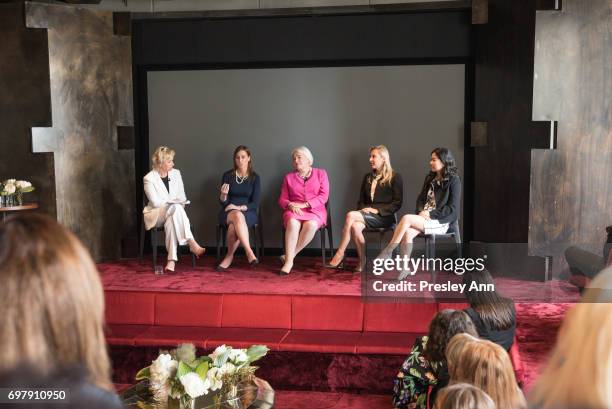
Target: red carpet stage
{"points": [[322, 334]]}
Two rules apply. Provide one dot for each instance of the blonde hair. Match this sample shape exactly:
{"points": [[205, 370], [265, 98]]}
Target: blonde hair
{"points": [[304, 151], [161, 154], [579, 370], [485, 365], [463, 396], [455, 347], [51, 300], [386, 172]]}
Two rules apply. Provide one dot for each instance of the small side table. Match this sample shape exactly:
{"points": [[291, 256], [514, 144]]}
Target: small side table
{"points": [[6, 210]]}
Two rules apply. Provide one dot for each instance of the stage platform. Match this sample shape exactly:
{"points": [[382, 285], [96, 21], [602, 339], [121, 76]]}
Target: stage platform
{"points": [[307, 278], [315, 321]]}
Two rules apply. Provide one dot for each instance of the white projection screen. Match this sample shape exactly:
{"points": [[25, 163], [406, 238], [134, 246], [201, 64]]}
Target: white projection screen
{"points": [[337, 112]]}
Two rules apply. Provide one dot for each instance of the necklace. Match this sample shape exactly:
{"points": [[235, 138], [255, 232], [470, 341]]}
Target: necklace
{"points": [[240, 179]]}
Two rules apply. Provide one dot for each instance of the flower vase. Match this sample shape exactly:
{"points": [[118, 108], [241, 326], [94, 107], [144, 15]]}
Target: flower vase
{"points": [[19, 198]]}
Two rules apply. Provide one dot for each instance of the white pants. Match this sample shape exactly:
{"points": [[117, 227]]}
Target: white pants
{"points": [[177, 229]]}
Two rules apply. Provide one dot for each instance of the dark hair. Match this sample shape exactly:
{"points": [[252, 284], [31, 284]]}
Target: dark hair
{"points": [[445, 325], [248, 151], [460, 323], [495, 311], [447, 158]]}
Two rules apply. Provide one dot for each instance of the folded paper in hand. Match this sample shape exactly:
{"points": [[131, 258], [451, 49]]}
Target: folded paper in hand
{"points": [[177, 201]]}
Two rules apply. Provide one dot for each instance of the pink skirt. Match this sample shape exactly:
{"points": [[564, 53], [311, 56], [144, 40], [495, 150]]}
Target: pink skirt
{"points": [[307, 214]]}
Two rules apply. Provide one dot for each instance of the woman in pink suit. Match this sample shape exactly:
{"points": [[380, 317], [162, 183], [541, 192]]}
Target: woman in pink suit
{"points": [[303, 197]]}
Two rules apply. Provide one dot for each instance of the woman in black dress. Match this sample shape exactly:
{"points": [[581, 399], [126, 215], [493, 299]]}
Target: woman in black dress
{"points": [[380, 196], [239, 198]]}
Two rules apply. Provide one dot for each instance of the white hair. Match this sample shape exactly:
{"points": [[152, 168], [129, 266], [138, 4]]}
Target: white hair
{"points": [[304, 151]]}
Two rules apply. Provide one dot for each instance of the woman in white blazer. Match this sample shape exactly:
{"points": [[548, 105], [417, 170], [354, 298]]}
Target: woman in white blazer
{"points": [[164, 188]]}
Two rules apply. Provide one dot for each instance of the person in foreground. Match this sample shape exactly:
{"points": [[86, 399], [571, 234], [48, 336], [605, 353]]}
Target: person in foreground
{"points": [[578, 373], [493, 315], [380, 197], [51, 300], [463, 396], [72, 380], [304, 194], [239, 198], [437, 206], [487, 366], [425, 367], [164, 188]]}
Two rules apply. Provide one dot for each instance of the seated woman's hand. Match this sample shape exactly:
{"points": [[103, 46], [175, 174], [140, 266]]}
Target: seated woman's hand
{"points": [[231, 207], [425, 214], [369, 210], [296, 208]]}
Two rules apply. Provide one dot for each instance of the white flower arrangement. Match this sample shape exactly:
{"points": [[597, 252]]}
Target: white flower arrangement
{"points": [[16, 188], [180, 375]]}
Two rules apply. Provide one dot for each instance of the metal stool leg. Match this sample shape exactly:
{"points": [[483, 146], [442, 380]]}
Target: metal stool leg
{"points": [[154, 246], [322, 233]]}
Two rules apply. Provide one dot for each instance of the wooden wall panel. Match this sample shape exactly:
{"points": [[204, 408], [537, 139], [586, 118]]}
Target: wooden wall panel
{"points": [[91, 95], [571, 188], [502, 98], [24, 102]]}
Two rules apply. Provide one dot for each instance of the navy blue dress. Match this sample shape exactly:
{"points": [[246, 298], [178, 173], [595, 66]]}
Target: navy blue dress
{"points": [[246, 193]]}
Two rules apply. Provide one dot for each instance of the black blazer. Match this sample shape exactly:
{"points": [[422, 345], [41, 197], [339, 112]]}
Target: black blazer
{"points": [[387, 198], [448, 198]]}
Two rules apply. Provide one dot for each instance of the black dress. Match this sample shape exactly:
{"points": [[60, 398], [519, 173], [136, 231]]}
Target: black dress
{"points": [[246, 194], [387, 200]]}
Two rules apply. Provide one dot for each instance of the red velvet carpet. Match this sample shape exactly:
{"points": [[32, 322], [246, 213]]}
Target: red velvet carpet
{"points": [[307, 278]]}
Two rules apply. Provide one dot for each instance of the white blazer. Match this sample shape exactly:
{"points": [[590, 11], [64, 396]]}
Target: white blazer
{"points": [[159, 197]]}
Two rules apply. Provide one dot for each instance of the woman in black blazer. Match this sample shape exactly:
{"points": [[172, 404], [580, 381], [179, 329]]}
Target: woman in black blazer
{"points": [[437, 206], [380, 197]]}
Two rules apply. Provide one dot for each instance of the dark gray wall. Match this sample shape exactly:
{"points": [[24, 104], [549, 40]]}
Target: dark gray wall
{"points": [[337, 112], [25, 101], [91, 94]]}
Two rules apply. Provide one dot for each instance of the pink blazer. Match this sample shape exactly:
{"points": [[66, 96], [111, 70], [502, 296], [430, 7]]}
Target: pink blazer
{"points": [[314, 191]]}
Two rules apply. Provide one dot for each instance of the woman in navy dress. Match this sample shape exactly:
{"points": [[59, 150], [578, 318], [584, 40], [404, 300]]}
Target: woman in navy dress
{"points": [[239, 198]]}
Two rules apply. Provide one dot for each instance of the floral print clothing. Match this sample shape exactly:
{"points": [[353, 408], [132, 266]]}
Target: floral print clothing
{"points": [[417, 374]]}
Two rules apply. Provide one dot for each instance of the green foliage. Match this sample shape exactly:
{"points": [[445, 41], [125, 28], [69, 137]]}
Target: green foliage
{"points": [[202, 370], [144, 373], [183, 369], [256, 352]]}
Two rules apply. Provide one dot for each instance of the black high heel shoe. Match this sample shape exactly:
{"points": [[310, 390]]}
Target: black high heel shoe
{"points": [[339, 266], [253, 262], [282, 273], [221, 269]]}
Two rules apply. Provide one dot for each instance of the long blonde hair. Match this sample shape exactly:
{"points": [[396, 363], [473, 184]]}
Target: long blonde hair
{"points": [[386, 173], [463, 396], [51, 300], [579, 370], [487, 366]]}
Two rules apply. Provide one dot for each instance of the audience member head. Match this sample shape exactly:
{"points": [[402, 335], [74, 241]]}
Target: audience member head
{"points": [[242, 159], [463, 396], [442, 328], [486, 365], [494, 310], [579, 371], [380, 161], [51, 300], [442, 160], [78, 392], [302, 159], [163, 159], [455, 347]]}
